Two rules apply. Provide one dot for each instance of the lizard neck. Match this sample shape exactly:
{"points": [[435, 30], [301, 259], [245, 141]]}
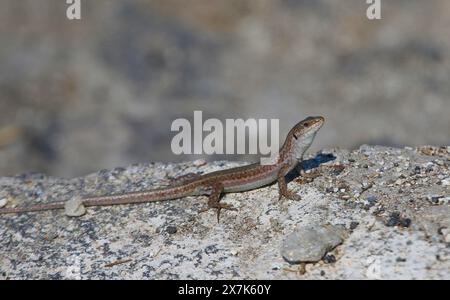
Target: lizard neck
{"points": [[287, 154], [293, 149]]}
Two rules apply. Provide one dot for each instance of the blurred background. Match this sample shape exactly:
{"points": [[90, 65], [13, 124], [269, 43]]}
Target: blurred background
{"points": [[101, 92]]}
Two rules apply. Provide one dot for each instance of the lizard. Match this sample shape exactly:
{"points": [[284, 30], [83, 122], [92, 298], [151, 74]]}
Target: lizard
{"points": [[215, 184]]}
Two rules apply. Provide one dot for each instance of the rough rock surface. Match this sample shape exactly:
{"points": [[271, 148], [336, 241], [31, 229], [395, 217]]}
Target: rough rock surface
{"points": [[393, 204]]}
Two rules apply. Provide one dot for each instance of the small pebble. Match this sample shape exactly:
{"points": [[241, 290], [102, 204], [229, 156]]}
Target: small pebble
{"points": [[398, 182], [417, 170], [234, 252], [447, 238], [353, 225], [171, 229], [74, 207], [199, 162], [438, 162], [329, 259], [434, 199], [118, 170], [444, 200], [365, 184], [3, 202], [405, 222], [396, 220], [371, 199]]}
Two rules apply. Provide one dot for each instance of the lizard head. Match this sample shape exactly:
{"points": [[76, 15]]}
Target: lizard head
{"points": [[303, 133], [308, 126]]}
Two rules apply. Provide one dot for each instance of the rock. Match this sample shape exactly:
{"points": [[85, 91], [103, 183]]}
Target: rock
{"points": [[446, 181], [3, 202], [171, 239], [311, 242], [74, 207], [446, 234]]}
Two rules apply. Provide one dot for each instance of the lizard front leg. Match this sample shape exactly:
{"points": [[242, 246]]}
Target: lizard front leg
{"points": [[282, 186]]}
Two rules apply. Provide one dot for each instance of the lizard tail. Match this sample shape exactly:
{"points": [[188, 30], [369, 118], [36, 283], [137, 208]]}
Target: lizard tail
{"points": [[39, 207], [141, 197], [129, 198]]}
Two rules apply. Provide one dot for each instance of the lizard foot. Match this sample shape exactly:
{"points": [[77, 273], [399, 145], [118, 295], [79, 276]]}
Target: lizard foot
{"points": [[307, 177], [290, 195], [219, 206]]}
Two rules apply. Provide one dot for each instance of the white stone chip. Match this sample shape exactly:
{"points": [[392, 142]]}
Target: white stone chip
{"points": [[74, 207], [446, 181]]}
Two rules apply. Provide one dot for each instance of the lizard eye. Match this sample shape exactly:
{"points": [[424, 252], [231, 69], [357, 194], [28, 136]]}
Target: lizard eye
{"points": [[306, 124]]}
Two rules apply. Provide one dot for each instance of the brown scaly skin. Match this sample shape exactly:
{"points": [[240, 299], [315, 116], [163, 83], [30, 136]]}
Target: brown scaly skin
{"points": [[214, 184]]}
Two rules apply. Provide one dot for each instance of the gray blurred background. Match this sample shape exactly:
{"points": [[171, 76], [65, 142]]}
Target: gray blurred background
{"points": [[79, 96]]}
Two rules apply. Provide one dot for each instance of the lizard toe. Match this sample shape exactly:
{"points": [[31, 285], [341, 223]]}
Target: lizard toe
{"points": [[290, 195]]}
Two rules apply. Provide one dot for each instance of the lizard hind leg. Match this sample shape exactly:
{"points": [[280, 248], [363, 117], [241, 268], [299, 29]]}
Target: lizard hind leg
{"points": [[214, 200]]}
